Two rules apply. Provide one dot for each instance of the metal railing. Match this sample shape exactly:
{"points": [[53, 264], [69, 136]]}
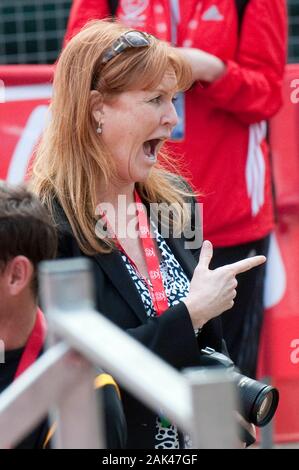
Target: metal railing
{"points": [[199, 402]]}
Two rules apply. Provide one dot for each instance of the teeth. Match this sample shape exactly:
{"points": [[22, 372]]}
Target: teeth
{"points": [[152, 157], [147, 147]]}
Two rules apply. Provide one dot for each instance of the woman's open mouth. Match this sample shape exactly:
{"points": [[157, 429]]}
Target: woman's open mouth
{"points": [[150, 148]]}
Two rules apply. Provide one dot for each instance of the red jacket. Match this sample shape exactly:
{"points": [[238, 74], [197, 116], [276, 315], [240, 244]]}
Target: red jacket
{"points": [[224, 145]]}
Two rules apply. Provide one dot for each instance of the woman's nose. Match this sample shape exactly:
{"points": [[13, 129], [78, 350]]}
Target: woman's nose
{"points": [[170, 116]]}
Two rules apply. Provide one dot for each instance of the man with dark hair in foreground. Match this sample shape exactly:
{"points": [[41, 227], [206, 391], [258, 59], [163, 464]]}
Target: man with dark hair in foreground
{"points": [[27, 236]]}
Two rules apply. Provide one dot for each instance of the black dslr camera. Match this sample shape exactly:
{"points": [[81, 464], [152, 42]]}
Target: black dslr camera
{"points": [[258, 400]]}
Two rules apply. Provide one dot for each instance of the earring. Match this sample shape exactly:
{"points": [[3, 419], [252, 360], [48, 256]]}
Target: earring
{"points": [[100, 128]]}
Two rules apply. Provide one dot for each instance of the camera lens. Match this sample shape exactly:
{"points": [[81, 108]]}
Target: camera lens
{"points": [[266, 406], [259, 401]]}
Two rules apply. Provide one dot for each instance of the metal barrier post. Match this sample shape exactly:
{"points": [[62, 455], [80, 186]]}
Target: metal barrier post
{"points": [[213, 398], [68, 287], [79, 416]]}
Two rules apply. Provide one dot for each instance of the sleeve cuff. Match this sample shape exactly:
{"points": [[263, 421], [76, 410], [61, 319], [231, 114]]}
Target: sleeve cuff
{"points": [[178, 325]]}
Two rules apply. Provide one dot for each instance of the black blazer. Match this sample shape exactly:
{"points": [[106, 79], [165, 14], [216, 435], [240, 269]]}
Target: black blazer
{"points": [[171, 336]]}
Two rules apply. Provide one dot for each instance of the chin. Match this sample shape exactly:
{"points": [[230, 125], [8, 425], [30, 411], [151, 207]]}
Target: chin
{"points": [[143, 178]]}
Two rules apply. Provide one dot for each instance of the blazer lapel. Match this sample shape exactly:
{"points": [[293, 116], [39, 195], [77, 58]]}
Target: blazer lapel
{"points": [[117, 272]]}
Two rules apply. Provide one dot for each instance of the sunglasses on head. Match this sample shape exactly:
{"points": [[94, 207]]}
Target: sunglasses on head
{"points": [[130, 39]]}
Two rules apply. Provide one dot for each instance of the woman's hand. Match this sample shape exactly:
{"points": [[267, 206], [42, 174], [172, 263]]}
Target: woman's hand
{"points": [[213, 291], [205, 66], [249, 428]]}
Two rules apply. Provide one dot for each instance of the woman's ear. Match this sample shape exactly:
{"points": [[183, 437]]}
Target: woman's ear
{"points": [[96, 105]]}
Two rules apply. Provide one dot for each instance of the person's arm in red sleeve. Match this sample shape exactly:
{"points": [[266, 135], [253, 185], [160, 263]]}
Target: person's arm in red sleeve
{"points": [[250, 87], [81, 12]]}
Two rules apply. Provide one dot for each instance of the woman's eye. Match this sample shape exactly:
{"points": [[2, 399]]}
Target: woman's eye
{"points": [[156, 100]]}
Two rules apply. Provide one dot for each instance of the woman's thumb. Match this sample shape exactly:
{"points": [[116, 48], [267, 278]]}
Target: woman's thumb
{"points": [[206, 254]]}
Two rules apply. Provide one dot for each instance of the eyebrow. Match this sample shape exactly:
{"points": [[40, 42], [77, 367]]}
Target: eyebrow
{"points": [[163, 90]]}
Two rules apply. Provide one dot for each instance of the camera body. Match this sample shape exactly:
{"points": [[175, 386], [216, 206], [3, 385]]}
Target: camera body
{"points": [[259, 401]]}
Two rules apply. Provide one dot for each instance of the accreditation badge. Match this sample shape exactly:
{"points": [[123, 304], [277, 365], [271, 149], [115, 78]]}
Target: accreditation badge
{"points": [[178, 132]]}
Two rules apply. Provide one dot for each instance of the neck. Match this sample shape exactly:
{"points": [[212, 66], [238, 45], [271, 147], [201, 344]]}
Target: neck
{"points": [[16, 325], [114, 192], [118, 204]]}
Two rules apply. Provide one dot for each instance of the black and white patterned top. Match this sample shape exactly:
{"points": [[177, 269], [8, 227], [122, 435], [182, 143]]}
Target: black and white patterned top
{"points": [[176, 285]]}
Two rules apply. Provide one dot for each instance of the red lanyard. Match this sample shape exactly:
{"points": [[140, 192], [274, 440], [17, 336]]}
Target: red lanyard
{"points": [[156, 287], [34, 344]]}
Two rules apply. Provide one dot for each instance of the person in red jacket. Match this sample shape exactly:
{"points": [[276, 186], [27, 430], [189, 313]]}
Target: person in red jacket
{"points": [[237, 68]]}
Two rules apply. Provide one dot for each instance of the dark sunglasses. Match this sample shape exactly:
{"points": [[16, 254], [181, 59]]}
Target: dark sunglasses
{"points": [[128, 40]]}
